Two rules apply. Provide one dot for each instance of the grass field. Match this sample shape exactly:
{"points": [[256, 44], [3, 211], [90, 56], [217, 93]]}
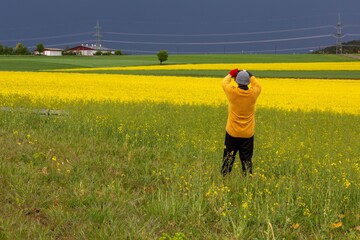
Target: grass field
{"points": [[39, 63], [123, 166], [35, 63]]}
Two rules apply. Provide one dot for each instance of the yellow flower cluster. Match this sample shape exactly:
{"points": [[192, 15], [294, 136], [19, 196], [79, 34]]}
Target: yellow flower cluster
{"points": [[216, 190], [349, 66], [102, 87], [341, 96]]}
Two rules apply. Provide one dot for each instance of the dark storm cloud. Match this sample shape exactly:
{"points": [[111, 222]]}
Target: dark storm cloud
{"points": [[179, 23]]}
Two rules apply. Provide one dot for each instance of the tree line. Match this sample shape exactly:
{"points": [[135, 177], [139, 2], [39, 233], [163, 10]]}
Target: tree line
{"points": [[19, 49], [351, 47]]}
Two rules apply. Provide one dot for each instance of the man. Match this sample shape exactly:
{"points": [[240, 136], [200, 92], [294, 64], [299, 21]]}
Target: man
{"points": [[240, 126]]}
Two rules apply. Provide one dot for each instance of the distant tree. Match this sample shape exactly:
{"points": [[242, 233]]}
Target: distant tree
{"points": [[1, 49], [68, 53], [20, 49], [118, 52], [347, 48], [162, 56], [98, 53], [8, 50], [40, 48], [351, 47]]}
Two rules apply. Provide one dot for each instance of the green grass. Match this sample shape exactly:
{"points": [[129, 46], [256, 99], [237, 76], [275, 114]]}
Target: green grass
{"points": [[42, 63], [144, 170], [36, 63], [140, 171]]}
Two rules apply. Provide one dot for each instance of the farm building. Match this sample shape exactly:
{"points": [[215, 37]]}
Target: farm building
{"points": [[50, 52], [89, 50]]}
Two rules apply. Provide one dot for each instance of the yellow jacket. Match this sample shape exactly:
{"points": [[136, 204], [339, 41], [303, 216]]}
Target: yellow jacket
{"points": [[241, 108]]}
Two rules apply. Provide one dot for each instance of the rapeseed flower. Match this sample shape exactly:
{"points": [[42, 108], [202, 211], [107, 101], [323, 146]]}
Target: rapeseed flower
{"points": [[341, 96]]}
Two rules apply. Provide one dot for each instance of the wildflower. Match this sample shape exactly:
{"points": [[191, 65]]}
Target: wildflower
{"points": [[346, 183], [307, 212], [336, 225], [295, 226]]}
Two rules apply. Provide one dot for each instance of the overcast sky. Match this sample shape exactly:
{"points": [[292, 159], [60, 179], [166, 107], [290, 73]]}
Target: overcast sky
{"points": [[145, 26]]}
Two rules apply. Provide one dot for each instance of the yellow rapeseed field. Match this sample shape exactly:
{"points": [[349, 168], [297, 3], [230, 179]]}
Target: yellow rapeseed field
{"points": [[329, 66], [341, 96]]}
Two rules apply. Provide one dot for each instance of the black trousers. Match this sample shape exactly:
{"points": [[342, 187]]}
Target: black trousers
{"points": [[245, 146]]}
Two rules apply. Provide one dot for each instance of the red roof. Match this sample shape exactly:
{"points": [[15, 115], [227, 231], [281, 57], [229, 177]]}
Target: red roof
{"points": [[78, 48]]}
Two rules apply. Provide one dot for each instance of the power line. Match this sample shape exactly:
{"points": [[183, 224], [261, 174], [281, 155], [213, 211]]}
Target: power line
{"points": [[64, 44], [339, 36], [231, 52], [51, 37], [352, 34], [346, 26], [218, 34], [220, 43], [286, 49]]}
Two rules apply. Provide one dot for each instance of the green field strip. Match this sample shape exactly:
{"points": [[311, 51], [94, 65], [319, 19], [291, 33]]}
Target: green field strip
{"points": [[36, 63]]}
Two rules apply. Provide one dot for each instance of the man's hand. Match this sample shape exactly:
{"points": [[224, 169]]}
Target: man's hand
{"points": [[234, 72]]}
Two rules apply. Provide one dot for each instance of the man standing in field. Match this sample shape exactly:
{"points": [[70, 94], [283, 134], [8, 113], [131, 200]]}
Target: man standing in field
{"points": [[240, 126]]}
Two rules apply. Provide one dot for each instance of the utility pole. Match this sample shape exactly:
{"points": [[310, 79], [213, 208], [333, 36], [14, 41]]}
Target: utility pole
{"points": [[97, 34], [338, 36]]}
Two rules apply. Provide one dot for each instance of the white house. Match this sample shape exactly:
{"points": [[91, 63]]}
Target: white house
{"points": [[50, 52]]}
